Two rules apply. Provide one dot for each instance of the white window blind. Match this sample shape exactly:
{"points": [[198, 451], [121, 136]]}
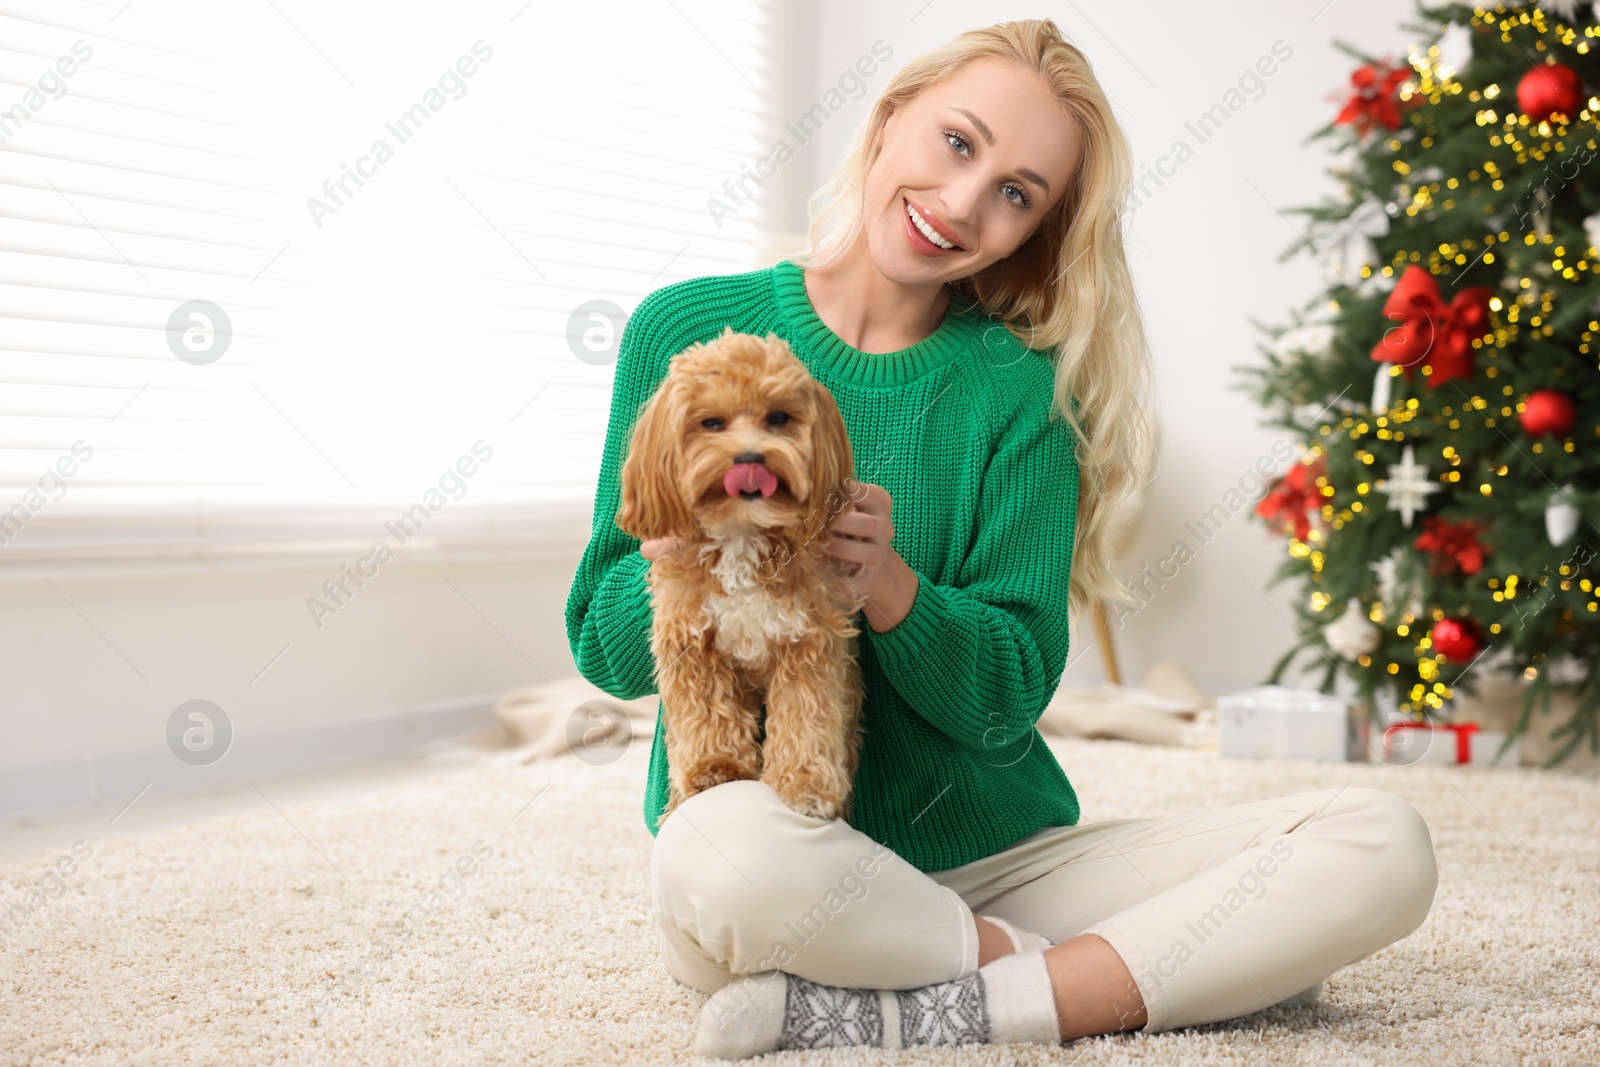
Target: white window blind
{"points": [[402, 212]]}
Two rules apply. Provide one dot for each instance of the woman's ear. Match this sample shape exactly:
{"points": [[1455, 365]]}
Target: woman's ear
{"points": [[833, 463], [652, 503]]}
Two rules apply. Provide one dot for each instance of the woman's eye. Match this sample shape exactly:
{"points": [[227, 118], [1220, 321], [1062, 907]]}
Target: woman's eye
{"points": [[777, 418], [712, 423], [1022, 200]]}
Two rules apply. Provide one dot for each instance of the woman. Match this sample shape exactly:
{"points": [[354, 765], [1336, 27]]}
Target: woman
{"points": [[968, 303]]}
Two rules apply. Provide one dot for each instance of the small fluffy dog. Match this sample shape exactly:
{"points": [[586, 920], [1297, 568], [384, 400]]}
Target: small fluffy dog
{"points": [[743, 456]]}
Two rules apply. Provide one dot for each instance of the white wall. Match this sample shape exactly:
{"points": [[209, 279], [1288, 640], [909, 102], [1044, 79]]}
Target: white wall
{"points": [[1204, 249], [95, 657]]}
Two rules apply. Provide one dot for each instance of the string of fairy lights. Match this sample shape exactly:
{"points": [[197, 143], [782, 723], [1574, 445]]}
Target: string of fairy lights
{"points": [[1524, 315]]}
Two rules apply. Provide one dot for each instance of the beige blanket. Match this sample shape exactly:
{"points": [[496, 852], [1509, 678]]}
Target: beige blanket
{"points": [[571, 715]]}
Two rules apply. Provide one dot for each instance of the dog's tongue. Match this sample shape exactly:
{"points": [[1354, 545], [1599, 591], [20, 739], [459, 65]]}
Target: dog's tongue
{"points": [[746, 477]]}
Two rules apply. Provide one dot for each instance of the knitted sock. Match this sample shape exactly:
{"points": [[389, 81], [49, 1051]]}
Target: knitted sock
{"points": [[1007, 1000], [1021, 940]]}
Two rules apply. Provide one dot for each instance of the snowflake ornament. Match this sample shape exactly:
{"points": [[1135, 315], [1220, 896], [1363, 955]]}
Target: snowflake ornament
{"points": [[1407, 486]]}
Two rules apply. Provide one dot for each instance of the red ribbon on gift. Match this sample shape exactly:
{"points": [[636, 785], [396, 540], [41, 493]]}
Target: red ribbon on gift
{"points": [[1431, 332], [1463, 732]]}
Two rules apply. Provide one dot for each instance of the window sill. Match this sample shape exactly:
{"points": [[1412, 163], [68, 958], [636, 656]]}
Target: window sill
{"points": [[66, 545]]}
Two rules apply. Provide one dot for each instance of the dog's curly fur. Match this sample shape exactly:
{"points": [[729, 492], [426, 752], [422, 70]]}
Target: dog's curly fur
{"points": [[750, 607]]}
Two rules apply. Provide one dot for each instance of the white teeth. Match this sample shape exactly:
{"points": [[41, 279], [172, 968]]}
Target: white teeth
{"points": [[927, 231]]}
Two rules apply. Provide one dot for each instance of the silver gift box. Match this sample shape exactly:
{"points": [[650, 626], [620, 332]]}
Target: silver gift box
{"points": [[1275, 721]]}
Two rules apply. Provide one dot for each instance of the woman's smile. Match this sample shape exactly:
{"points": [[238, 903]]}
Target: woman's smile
{"points": [[927, 233]]}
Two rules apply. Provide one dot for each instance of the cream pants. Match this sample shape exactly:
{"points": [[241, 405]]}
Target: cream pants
{"points": [[1216, 913]]}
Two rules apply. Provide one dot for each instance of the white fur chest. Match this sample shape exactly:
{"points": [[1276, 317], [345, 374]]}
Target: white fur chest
{"points": [[749, 617]]}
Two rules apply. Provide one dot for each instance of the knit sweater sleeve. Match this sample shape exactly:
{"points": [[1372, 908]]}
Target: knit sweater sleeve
{"points": [[980, 658], [608, 610]]}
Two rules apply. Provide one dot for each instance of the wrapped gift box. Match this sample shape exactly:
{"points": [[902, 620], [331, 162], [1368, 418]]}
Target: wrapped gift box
{"points": [[1275, 721], [1449, 743]]}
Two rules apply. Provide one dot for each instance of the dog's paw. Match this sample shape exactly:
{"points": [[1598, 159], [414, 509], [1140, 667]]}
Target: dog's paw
{"points": [[815, 807], [808, 802], [713, 772], [821, 793]]}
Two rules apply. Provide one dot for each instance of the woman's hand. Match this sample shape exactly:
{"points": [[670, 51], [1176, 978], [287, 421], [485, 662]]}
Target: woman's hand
{"points": [[657, 547], [885, 584]]}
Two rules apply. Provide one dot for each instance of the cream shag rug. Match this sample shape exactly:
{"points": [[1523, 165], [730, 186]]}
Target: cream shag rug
{"points": [[500, 914]]}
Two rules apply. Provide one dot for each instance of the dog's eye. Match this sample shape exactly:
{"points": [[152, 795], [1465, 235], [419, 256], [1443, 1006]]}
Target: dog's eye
{"points": [[712, 423], [777, 418]]}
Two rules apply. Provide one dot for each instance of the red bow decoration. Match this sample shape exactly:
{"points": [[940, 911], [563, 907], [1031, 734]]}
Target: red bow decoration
{"points": [[1295, 494], [1431, 333], [1454, 545], [1373, 100]]}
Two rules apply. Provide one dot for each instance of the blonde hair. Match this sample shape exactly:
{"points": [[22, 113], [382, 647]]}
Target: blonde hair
{"points": [[1066, 290]]}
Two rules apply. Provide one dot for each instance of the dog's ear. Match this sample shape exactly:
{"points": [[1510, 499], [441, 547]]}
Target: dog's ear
{"points": [[832, 462], [652, 503]]}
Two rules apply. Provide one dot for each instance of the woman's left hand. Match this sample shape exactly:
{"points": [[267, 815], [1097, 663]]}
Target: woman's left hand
{"points": [[861, 534]]}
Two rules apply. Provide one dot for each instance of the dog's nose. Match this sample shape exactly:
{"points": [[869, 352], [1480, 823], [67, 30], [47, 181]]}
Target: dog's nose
{"points": [[749, 457]]}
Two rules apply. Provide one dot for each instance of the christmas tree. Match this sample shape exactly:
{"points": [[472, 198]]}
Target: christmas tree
{"points": [[1446, 387]]}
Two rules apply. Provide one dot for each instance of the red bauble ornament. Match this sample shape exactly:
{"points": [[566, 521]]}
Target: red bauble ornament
{"points": [[1456, 639], [1548, 89], [1548, 411]]}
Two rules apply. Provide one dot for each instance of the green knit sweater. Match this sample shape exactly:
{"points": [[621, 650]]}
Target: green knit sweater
{"points": [[985, 487]]}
